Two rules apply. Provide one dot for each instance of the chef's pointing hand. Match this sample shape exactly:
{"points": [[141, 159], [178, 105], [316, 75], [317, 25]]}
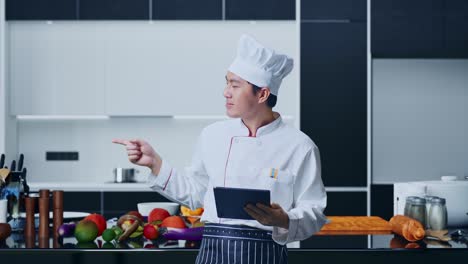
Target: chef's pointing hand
{"points": [[270, 216], [141, 153]]}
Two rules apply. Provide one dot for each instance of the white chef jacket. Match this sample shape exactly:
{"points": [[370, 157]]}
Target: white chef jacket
{"points": [[226, 156]]}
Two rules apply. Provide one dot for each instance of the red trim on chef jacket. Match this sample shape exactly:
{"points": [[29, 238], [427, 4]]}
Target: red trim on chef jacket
{"points": [[227, 160], [165, 185]]}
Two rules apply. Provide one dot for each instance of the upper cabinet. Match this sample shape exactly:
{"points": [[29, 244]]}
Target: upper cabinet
{"points": [[456, 7], [419, 29], [41, 9], [334, 98], [56, 70], [413, 8], [334, 88], [260, 9], [456, 25], [152, 9], [407, 37], [146, 75], [187, 10], [334, 10], [114, 9], [456, 36]]}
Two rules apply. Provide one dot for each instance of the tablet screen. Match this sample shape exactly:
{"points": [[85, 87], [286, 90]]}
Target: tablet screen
{"points": [[230, 202]]}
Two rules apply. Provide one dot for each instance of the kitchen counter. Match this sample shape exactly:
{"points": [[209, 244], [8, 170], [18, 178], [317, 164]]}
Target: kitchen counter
{"points": [[90, 186], [381, 249]]}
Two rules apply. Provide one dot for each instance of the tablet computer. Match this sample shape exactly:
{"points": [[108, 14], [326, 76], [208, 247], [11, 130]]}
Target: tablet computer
{"points": [[230, 202]]}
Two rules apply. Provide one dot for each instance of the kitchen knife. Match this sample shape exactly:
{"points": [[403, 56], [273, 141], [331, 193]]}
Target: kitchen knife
{"points": [[25, 186], [20, 162], [2, 161], [13, 165]]}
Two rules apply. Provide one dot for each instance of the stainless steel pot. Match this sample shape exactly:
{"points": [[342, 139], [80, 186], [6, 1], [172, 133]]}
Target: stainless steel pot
{"points": [[124, 175]]}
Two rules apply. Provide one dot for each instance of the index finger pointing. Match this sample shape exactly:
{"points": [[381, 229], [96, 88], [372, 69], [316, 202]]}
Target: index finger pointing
{"points": [[120, 141]]}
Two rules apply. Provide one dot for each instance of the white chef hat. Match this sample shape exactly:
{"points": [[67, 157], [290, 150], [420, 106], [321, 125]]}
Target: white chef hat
{"points": [[260, 65]]}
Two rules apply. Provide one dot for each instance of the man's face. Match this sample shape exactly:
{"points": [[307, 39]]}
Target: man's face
{"points": [[240, 99]]}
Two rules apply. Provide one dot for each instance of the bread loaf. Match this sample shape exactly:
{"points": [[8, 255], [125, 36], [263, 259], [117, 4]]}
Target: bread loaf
{"points": [[409, 228]]}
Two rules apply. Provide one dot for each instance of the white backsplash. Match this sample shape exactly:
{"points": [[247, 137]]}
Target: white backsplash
{"points": [[173, 138]]}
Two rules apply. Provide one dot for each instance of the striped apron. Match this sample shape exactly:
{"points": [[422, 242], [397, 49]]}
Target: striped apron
{"points": [[239, 244]]}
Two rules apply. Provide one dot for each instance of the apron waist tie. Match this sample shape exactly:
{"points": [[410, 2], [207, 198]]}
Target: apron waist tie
{"points": [[236, 232]]}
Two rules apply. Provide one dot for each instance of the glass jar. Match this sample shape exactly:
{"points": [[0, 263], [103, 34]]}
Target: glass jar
{"points": [[418, 210], [408, 205], [438, 214], [428, 208]]}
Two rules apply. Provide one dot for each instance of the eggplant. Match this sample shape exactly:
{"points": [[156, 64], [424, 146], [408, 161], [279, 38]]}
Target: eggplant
{"points": [[67, 230], [195, 233]]}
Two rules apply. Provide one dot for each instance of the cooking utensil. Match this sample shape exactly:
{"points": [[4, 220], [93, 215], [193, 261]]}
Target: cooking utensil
{"points": [[354, 225], [25, 185], [458, 233], [2, 161], [20, 162], [124, 175], [13, 165], [438, 234]]}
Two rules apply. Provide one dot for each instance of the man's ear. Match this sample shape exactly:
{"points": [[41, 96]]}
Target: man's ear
{"points": [[263, 94]]}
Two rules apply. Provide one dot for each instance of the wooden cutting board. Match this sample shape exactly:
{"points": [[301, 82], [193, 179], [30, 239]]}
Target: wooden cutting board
{"points": [[355, 225]]}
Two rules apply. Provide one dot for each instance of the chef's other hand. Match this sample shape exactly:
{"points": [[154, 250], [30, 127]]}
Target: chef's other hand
{"points": [[141, 153], [270, 216]]}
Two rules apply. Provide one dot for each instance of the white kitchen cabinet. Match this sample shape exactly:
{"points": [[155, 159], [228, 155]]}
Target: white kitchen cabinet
{"points": [[56, 69], [167, 69], [153, 70], [132, 68]]}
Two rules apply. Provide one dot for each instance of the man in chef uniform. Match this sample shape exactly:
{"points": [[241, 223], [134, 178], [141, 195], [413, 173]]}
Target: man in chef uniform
{"points": [[256, 150]]}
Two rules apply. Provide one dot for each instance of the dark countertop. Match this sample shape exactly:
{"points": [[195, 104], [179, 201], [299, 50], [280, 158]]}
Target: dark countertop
{"points": [[329, 249], [16, 241]]}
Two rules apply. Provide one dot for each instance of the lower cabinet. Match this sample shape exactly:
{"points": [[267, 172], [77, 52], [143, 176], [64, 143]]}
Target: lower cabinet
{"points": [[118, 203], [82, 202], [381, 200], [346, 204], [109, 204]]}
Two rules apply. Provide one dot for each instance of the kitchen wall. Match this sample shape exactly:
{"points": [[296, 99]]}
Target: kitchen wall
{"points": [[7, 136], [419, 119], [3, 99], [175, 137]]}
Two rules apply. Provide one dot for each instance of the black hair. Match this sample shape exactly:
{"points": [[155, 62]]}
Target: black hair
{"points": [[271, 101]]}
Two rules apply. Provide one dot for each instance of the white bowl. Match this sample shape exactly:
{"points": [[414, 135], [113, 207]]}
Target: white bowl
{"points": [[145, 208]]}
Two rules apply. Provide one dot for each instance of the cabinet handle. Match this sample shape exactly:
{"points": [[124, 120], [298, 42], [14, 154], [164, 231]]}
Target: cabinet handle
{"points": [[326, 20]]}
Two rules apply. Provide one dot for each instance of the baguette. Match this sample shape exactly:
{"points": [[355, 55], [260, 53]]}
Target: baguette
{"points": [[409, 228]]}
